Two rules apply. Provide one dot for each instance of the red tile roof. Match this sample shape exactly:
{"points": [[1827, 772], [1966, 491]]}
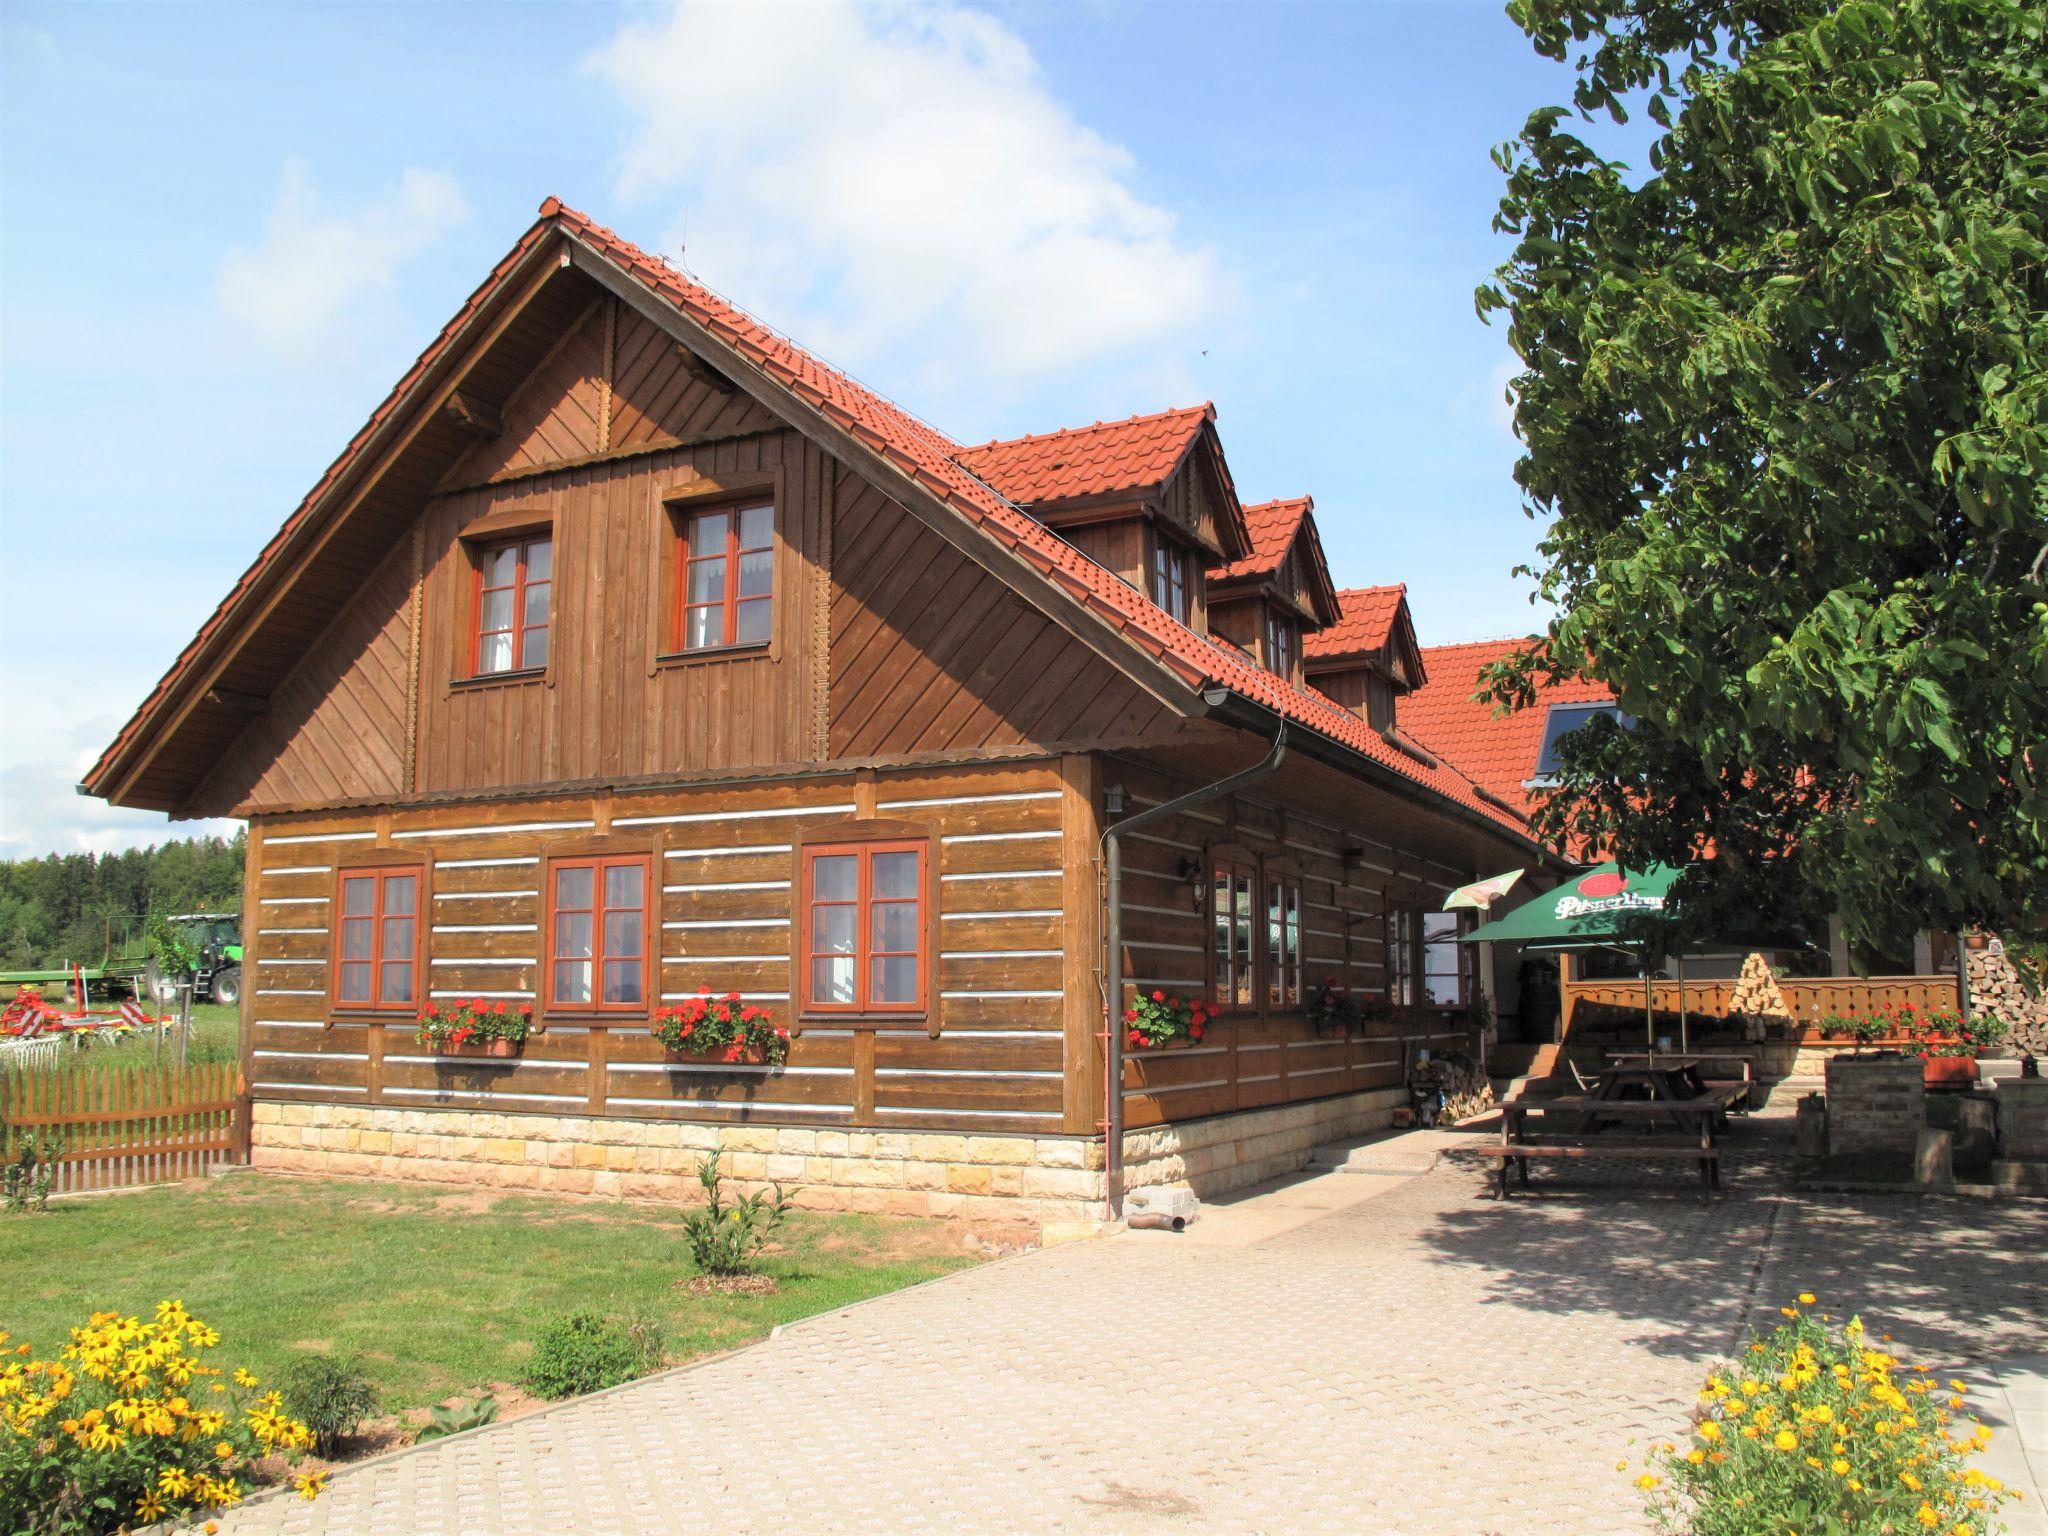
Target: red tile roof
{"points": [[1365, 629], [926, 457], [1272, 526], [1135, 454], [1500, 753]]}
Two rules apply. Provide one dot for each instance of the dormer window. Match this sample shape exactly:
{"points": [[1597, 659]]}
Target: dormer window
{"points": [[1283, 643], [1170, 578], [1563, 720], [510, 630]]}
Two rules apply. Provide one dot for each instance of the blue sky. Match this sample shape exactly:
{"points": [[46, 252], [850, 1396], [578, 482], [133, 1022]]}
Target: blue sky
{"points": [[226, 230]]}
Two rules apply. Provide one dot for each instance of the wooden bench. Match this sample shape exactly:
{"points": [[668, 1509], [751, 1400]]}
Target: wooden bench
{"points": [[1519, 1152]]}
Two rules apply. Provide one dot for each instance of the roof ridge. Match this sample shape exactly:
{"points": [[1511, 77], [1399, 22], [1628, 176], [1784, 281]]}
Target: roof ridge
{"points": [[1207, 410]]}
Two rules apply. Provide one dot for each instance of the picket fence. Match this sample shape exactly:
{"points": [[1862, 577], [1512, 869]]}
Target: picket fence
{"points": [[124, 1125]]}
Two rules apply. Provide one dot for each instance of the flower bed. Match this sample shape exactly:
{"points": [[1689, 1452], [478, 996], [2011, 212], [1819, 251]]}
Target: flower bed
{"points": [[475, 1027], [722, 1029], [129, 1425], [1159, 1019], [1815, 1429]]}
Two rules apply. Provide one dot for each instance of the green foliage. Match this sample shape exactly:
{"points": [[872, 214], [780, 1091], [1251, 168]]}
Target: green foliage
{"points": [[1782, 404], [55, 910], [724, 1239], [31, 1172], [588, 1351], [330, 1395], [174, 955], [469, 1413]]}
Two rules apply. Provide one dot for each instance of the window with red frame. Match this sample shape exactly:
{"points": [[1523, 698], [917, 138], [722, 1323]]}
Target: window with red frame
{"points": [[597, 932], [378, 943], [513, 583], [725, 584], [1283, 940], [1230, 906], [1170, 578], [864, 946], [1282, 644]]}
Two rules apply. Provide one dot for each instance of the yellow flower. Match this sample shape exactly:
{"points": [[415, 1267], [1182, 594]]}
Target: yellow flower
{"points": [[223, 1450], [1839, 1467], [1646, 1482], [1695, 1455], [310, 1484], [1806, 1298], [1710, 1430], [244, 1379], [1926, 1516], [1910, 1481], [1823, 1414], [1785, 1440], [149, 1508]]}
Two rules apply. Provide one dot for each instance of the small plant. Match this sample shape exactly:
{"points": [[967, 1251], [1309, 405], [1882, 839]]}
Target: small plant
{"points": [[725, 1239], [473, 1021], [1817, 1428], [32, 1172], [1332, 1011], [589, 1351], [331, 1395], [1158, 1019], [472, 1413], [723, 1027]]}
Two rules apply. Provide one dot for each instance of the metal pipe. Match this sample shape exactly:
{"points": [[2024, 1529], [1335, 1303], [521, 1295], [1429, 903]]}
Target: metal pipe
{"points": [[1113, 991]]}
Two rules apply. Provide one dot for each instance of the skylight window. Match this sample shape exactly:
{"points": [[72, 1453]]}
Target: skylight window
{"points": [[1564, 719]]}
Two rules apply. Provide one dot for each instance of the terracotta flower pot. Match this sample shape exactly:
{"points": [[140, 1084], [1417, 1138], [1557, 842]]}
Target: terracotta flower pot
{"points": [[752, 1056], [499, 1048], [1950, 1072]]}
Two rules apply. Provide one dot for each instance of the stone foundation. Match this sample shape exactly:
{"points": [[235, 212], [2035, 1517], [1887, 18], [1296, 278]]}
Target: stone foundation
{"points": [[1875, 1106], [1006, 1180]]}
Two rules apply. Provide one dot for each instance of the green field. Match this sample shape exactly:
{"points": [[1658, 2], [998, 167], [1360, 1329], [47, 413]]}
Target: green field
{"points": [[440, 1291], [214, 1028]]}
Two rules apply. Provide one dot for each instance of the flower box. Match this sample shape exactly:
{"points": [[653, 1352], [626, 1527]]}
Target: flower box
{"points": [[1158, 1022], [724, 1030], [1950, 1073], [496, 1048]]}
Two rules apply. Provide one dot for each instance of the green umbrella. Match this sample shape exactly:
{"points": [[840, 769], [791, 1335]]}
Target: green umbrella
{"points": [[1605, 908], [1608, 907]]}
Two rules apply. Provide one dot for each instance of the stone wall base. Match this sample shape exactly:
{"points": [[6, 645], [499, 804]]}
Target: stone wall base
{"points": [[993, 1180]]}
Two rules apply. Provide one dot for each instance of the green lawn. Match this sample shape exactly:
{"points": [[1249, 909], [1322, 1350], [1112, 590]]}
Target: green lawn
{"points": [[439, 1290]]}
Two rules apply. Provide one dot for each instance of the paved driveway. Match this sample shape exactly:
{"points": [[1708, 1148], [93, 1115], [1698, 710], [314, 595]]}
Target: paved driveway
{"points": [[1343, 1354]]}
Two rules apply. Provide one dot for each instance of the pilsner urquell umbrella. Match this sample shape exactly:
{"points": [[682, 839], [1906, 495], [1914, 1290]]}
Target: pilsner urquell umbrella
{"points": [[1608, 907]]}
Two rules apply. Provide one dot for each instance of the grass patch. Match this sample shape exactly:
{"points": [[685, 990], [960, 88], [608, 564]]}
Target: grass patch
{"points": [[215, 1028], [437, 1291]]}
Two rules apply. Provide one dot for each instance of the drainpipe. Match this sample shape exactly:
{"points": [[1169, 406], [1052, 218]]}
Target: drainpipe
{"points": [[1113, 863]]}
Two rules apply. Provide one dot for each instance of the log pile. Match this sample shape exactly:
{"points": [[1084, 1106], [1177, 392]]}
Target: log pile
{"points": [[1996, 989], [1757, 1000]]}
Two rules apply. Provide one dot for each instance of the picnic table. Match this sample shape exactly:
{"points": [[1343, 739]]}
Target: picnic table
{"points": [[1693, 1065], [1696, 1120]]}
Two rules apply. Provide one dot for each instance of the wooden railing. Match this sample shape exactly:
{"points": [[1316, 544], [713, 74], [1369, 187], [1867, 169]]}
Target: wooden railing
{"points": [[122, 1125], [1809, 999]]}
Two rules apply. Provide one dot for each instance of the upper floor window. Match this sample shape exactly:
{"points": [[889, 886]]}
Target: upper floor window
{"points": [[377, 954], [865, 946], [597, 952], [1563, 719], [1170, 588], [725, 590], [1283, 644], [1230, 945], [513, 582]]}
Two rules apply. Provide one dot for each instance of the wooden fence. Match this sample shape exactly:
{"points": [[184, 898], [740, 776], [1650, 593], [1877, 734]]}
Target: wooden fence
{"points": [[126, 1125], [1809, 1000]]}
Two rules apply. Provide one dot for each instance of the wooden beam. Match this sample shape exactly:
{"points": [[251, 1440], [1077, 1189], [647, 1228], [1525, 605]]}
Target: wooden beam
{"points": [[242, 703], [474, 415], [704, 373]]}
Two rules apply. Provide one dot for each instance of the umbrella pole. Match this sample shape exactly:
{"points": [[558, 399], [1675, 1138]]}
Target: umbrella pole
{"points": [[1649, 1008], [1684, 1031]]}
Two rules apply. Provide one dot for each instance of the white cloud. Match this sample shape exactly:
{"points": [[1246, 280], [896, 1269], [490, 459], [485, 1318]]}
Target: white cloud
{"points": [[40, 810], [900, 180], [293, 291]]}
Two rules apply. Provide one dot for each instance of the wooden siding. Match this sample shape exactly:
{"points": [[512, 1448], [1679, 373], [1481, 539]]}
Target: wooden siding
{"points": [[336, 727], [930, 653], [614, 383], [726, 856], [1265, 1055]]}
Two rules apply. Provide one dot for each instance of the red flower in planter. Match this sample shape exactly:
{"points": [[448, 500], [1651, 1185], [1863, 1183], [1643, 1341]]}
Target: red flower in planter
{"points": [[1196, 1031]]}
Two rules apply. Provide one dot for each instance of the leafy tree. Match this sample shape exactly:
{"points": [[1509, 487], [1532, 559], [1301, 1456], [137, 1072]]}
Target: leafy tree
{"points": [[55, 909], [1783, 410]]}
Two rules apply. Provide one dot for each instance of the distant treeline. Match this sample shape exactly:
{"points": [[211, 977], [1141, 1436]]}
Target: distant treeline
{"points": [[54, 910]]}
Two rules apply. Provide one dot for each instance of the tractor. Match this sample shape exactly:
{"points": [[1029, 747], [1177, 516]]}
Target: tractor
{"points": [[215, 942]]}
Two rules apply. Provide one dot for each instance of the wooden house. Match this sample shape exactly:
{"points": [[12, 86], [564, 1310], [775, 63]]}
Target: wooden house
{"points": [[630, 651]]}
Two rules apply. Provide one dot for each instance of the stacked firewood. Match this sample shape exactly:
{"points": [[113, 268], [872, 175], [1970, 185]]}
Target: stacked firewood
{"points": [[1996, 989], [1757, 999]]}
